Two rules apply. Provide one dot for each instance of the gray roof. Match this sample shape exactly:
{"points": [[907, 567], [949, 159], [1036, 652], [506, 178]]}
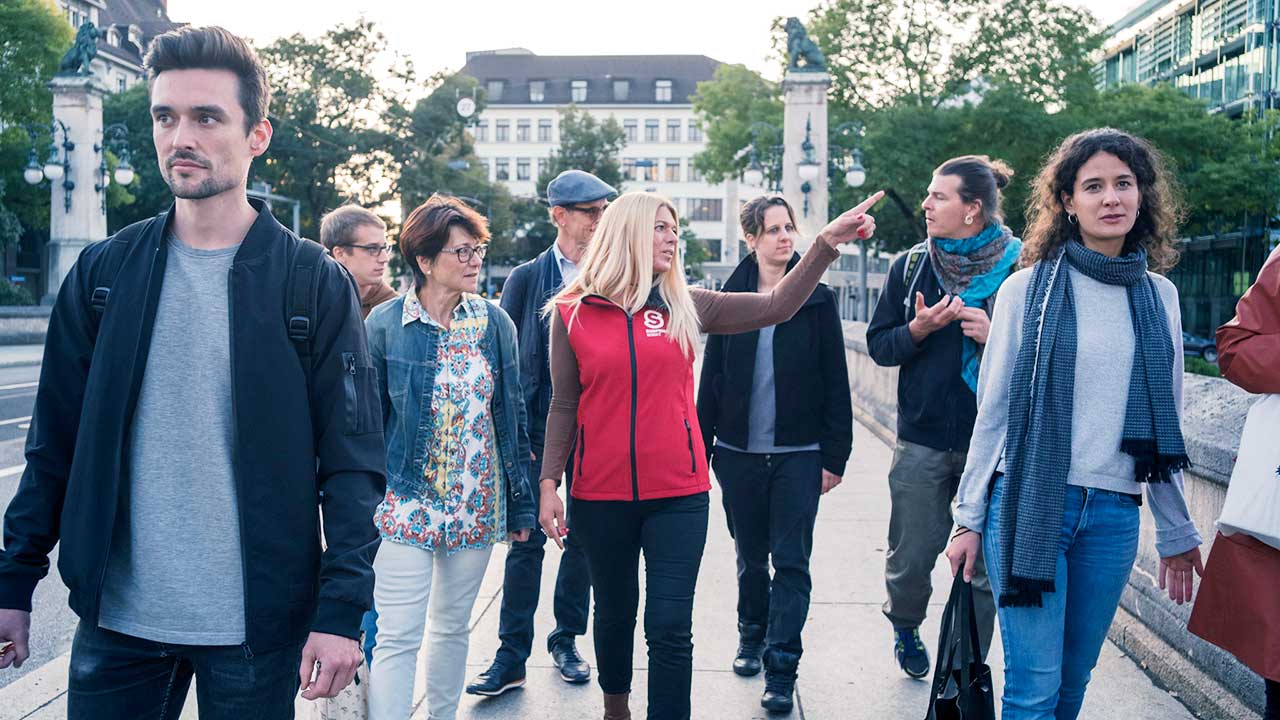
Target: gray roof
{"points": [[516, 68], [150, 16]]}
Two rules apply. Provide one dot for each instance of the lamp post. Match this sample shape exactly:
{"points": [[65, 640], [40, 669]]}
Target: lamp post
{"points": [[115, 137], [855, 175], [57, 166], [757, 174], [808, 167]]}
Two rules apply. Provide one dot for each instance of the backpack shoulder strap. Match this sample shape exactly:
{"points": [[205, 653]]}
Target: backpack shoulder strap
{"points": [[302, 291], [911, 273], [104, 272]]}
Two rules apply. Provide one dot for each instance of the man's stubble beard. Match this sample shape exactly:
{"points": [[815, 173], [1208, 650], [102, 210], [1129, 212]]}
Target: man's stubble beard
{"points": [[207, 188]]}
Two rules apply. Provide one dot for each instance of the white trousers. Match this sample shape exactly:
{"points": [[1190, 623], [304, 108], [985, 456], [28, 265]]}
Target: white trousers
{"points": [[405, 578]]}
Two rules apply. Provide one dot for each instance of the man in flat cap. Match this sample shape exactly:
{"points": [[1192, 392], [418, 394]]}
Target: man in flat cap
{"points": [[577, 200]]}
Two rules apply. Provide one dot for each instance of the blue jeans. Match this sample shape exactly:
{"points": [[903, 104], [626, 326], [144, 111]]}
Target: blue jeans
{"points": [[1050, 651], [120, 677]]}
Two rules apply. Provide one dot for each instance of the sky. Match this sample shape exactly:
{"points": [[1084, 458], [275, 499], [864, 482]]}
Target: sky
{"points": [[437, 34]]}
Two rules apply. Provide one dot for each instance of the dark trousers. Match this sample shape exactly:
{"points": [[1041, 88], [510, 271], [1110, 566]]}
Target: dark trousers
{"points": [[119, 677], [1273, 700], [522, 583], [671, 533], [771, 503]]}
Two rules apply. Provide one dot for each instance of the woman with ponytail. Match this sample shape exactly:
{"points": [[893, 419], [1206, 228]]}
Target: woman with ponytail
{"points": [[1079, 410]]}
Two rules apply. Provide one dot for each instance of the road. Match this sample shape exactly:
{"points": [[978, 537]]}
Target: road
{"points": [[52, 622]]}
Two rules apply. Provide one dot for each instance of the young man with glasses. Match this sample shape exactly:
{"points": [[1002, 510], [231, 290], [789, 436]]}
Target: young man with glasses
{"points": [[357, 238], [577, 200]]}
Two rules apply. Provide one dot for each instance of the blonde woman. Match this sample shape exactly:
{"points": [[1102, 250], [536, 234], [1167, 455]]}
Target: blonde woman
{"points": [[622, 343]]}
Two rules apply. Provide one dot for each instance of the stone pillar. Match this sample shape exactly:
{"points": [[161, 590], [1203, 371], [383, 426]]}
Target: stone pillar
{"points": [[805, 101], [77, 102]]}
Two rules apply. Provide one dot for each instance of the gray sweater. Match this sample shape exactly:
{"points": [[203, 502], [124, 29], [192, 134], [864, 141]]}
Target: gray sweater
{"points": [[1104, 359]]}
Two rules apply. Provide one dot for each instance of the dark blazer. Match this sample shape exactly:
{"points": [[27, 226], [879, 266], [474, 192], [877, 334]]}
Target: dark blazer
{"points": [[301, 451], [529, 286], [935, 406], [811, 377]]}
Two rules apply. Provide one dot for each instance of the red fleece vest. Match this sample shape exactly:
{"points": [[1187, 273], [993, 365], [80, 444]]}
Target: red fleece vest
{"points": [[638, 436]]}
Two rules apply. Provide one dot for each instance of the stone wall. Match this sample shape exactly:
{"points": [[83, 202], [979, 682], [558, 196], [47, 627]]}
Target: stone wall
{"points": [[24, 325], [1149, 626]]}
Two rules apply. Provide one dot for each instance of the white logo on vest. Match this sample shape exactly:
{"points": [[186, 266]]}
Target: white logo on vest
{"points": [[655, 323]]}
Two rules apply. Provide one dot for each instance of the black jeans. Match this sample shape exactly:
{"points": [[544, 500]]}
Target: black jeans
{"points": [[119, 677], [671, 533], [1273, 700], [771, 503], [522, 583]]}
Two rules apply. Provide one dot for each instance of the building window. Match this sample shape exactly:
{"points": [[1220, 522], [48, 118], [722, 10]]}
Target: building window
{"points": [[629, 127], [706, 209], [113, 38], [502, 131], [502, 169], [578, 91], [122, 83], [647, 170], [522, 169], [621, 90], [629, 169], [695, 131], [544, 131], [713, 248], [542, 167], [672, 173], [493, 90], [694, 174], [662, 91], [673, 131], [651, 131], [482, 131], [537, 90], [522, 130]]}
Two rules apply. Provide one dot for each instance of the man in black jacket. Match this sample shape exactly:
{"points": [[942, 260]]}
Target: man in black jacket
{"points": [[191, 415], [577, 200], [936, 411]]}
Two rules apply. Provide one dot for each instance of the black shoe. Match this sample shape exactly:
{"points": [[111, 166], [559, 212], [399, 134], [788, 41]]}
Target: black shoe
{"points": [[498, 679], [750, 648], [779, 681], [912, 656], [573, 669]]}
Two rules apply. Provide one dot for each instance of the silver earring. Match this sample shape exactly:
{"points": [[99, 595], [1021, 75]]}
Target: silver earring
{"points": [[968, 219], [1071, 218]]}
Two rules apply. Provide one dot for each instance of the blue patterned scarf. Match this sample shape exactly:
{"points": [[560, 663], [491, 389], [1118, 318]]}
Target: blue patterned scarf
{"points": [[974, 268], [1041, 399]]}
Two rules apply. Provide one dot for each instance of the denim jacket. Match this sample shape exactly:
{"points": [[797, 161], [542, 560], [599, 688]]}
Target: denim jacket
{"points": [[405, 358]]}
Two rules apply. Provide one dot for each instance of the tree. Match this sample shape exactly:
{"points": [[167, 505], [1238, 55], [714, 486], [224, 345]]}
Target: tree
{"points": [[339, 116], [728, 106], [926, 52], [586, 144], [34, 38], [148, 194], [695, 251]]}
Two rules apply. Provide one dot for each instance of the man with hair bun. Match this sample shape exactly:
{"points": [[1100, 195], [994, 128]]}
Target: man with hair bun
{"points": [[932, 321]]}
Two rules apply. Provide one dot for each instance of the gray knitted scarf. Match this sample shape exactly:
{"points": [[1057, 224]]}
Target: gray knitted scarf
{"points": [[1041, 396]]}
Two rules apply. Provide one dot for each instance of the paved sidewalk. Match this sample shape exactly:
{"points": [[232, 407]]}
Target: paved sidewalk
{"points": [[848, 671]]}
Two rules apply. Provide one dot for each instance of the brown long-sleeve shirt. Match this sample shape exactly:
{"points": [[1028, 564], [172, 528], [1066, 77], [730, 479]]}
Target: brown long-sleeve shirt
{"points": [[1249, 344], [718, 313]]}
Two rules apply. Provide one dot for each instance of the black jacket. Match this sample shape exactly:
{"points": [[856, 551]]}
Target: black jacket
{"points": [[529, 286], [296, 447], [811, 377], [935, 406]]}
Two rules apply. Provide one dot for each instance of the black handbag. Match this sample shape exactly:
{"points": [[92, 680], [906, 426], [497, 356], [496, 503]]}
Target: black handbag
{"points": [[961, 680]]}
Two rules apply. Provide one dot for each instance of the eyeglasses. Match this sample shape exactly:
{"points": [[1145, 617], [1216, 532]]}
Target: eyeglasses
{"points": [[465, 252], [376, 250], [590, 211]]}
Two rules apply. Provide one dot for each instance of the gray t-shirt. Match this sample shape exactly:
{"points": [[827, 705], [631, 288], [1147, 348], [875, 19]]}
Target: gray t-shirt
{"points": [[762, 412], [174, 569]]}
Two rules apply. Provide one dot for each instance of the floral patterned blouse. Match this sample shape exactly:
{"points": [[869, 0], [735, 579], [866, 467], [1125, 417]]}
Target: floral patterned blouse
{"points": [[462, 506]]}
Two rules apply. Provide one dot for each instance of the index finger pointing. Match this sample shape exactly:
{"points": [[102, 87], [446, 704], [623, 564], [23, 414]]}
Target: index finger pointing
{"points": [[866, 204]]}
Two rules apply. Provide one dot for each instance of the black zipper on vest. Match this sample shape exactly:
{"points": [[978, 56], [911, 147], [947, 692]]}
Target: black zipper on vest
{"points": [[631, 345], [693, 462], [582, 446]]}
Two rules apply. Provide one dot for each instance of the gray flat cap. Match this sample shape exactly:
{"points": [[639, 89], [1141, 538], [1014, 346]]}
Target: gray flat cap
{"points": [[575, 186]]}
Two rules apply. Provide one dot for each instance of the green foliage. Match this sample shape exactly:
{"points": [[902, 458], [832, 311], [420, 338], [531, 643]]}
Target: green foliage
{"points": [[925, 52], [695, 251], [339, 118], [1200, 366], [11, 294], [148, 194], [728, 106], [34, 38], [586, 144]]}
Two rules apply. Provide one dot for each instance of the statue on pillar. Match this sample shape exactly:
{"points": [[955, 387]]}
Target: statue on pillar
{"points": [[82, 52], [803, 54]]}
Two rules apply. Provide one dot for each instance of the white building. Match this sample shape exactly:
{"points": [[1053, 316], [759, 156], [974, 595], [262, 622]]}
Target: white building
{"points": [[125, 29], [648, 95]]}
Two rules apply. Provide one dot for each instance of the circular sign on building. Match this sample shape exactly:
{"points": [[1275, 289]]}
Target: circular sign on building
{"points": [[466, 107]]}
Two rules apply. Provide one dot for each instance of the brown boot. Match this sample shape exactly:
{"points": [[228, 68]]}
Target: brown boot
{"points": [[616, 707]]}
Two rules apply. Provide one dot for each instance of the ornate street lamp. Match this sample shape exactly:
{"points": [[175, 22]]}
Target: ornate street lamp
{"points": [[33, 172], [115, 137], [808, 168], [57, 167], [758, 174]]}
